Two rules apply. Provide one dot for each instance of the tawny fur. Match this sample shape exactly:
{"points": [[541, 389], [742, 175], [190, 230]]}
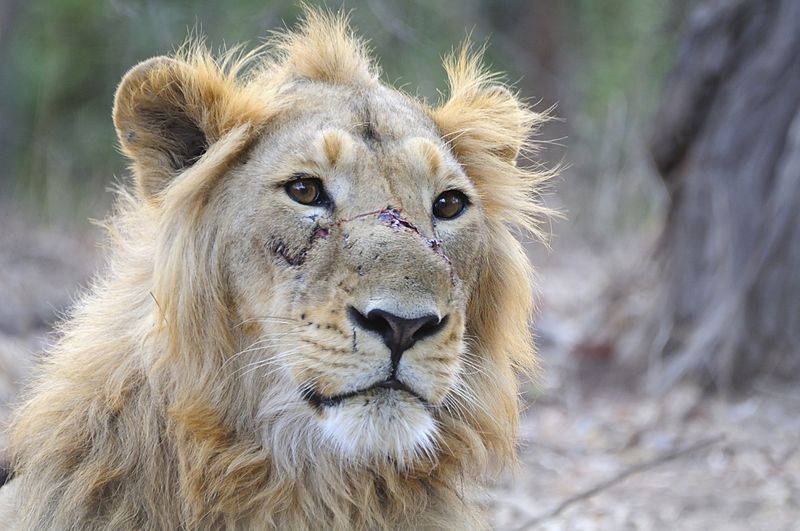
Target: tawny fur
{"points": [[146, 416]]}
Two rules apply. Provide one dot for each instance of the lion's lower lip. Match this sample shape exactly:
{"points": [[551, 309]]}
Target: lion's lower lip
{"points": [[330, 401]]}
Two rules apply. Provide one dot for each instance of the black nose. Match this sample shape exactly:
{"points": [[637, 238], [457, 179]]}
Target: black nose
{"points": [[398, 333]]}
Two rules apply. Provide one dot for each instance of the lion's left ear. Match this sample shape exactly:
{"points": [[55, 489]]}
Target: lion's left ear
{"points": [[483, 117], [169, 112], [486, 126]]}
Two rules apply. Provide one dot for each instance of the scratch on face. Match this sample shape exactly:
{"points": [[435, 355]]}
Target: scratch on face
{"points": [[293, 259], [393, 217], [435, 245], [320, 232]]}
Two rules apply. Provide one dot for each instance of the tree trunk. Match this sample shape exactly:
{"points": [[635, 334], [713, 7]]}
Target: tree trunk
{"points": [[727, 142]]}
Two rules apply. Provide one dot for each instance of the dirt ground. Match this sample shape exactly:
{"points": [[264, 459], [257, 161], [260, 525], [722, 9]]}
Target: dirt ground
{"points": [[708, 463], [596, 453]]}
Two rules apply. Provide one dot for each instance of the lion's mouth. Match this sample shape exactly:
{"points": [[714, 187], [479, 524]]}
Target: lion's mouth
{"points": [[392, 384]]}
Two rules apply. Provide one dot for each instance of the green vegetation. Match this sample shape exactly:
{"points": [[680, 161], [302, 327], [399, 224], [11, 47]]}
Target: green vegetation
{"points": [[60, 61]]}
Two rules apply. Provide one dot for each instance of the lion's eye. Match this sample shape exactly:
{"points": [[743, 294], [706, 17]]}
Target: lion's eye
{"points": [[449, 204], [307, 191]]}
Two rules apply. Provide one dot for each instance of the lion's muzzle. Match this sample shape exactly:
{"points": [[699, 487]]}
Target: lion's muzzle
{"points": [[383, 312]]}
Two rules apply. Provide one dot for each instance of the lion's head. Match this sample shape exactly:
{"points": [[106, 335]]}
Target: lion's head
{"points": [[354, 239], [316, 277]]}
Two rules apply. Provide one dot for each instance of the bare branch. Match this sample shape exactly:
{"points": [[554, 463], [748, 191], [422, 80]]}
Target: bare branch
{"points": [[619, 477]]}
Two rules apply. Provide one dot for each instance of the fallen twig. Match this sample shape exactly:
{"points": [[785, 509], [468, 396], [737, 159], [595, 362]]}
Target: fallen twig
{"points": [[610, 482]]}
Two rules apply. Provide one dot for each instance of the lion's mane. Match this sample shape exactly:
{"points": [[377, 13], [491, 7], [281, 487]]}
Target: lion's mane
{"points": [[134, 421]]}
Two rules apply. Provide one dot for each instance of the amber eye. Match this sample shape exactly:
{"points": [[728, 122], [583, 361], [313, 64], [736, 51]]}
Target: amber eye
{"points": [[449, 204], [307, 191]]}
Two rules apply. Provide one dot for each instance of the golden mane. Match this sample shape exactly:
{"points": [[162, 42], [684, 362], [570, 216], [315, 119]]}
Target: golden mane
{"points": [[134, 423]]}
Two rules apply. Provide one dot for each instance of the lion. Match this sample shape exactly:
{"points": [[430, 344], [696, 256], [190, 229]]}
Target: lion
{"points": [[314, 311]]}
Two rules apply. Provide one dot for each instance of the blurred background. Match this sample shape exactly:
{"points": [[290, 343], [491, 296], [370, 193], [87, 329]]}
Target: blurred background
{"points": [[669, 295]]}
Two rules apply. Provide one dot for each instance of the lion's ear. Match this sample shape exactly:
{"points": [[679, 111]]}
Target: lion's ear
{"points": [[486, 118], [169, 112], [481, 115], [486, 126], [158, 126], [511, 120]]}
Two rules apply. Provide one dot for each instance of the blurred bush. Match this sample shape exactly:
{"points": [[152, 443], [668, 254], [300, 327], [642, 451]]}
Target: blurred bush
{"points": [[60, 61]]}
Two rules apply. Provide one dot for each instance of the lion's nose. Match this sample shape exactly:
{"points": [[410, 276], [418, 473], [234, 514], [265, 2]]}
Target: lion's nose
{"points": [[399, 333]]}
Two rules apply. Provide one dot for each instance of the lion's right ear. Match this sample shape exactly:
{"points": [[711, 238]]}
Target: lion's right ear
{"points": [[158, 127], [169, 112]]}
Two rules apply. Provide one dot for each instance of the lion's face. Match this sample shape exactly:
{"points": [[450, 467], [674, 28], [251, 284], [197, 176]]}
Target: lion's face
{"points": [[333, 258], [360, 242]]}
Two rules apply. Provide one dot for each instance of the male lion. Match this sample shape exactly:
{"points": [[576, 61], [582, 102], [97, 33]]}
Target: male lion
{"points": [[313, 311]]}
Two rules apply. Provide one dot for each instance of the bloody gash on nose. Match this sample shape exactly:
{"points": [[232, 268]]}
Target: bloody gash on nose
{"points": [[392, 217]]}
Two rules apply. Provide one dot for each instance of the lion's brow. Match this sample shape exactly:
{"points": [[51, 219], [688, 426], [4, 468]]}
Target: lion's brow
{"points": [[333, 144], [431, 155]]}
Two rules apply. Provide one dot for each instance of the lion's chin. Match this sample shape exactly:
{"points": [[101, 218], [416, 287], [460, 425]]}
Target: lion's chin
{"points": [[381, 425]]}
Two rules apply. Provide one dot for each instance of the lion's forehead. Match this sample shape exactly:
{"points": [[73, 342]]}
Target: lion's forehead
{"points": [[378, 121], [377, 113], [377, 141]]}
